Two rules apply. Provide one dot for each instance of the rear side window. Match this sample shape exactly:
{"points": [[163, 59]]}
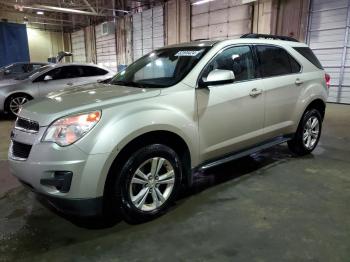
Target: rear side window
{"points": [[93, 71], [275, 61], [309, 55]]}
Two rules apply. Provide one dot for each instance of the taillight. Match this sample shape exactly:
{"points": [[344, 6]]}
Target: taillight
{"points": [[327, 78]]}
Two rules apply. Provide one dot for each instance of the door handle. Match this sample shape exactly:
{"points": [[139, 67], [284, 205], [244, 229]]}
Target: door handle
{"points": [[69, 84], [298, 82], [255, 92]]}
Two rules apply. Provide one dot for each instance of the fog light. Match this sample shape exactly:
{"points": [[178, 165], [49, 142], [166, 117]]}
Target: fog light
{"points": [[61, 181]]}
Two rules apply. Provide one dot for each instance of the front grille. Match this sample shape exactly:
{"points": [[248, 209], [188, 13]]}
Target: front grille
{"points": [[20, 150], [27, 125]]}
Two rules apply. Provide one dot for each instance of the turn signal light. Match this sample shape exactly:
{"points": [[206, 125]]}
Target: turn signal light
{"points": [[327, 78]]}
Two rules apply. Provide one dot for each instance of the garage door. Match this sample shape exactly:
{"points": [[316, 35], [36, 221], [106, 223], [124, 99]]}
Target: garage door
{"points": [[329, 39], [106, 53], [78, 47], [148, 31], [220, 20]]}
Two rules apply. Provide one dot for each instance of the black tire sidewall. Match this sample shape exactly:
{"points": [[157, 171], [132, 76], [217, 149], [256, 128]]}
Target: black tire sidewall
{"points": [[128, 210]]}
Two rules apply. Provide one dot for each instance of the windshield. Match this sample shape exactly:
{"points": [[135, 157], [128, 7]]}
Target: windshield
{"points": [[160, 68], [32, 73], [7, 67]]}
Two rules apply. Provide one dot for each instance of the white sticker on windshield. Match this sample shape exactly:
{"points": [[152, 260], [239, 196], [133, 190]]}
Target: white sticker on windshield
{"points": [[188, 53]]}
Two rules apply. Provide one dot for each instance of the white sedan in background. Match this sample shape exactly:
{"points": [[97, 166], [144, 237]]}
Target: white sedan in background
{"points": [[51, 78]]}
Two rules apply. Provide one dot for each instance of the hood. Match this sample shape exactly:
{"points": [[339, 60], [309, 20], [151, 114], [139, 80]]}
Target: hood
{"points": [[83, 98]]}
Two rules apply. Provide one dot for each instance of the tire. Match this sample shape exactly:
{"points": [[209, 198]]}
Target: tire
{"points": [[308, 133], [14, 102], [143, 196]]}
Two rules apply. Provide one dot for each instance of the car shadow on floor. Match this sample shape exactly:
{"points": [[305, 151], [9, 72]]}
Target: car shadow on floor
{"points": [[33, 229], [237, 171], [6, 117]]}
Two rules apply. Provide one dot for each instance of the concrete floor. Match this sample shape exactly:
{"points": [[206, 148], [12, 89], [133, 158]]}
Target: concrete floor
{"points": [[267, 207]]}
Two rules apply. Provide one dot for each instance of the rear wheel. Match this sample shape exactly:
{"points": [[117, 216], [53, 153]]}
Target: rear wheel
{"points": [[15, 102], [147, 183], [308, 134]]}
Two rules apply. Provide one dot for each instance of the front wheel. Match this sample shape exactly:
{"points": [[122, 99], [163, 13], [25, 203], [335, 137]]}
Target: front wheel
{"points": [[148, 183], [15, 102], [308, 134]]}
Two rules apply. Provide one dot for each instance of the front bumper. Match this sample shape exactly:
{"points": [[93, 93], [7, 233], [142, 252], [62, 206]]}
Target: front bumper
{"points": [[70, 179], [2, 103], [91, 207]]}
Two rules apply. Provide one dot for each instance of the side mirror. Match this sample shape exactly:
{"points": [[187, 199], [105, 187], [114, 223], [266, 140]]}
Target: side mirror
{"points": [[48, 78], [218, 77], [7, 72]]}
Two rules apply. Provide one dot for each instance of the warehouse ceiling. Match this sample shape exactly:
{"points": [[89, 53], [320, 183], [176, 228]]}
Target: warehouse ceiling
{"points": [[68, 15]]}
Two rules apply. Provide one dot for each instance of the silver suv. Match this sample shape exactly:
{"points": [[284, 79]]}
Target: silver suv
{"points": [[126, 147]]}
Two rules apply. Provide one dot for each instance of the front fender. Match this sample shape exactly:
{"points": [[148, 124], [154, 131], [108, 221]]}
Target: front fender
{"points": [[6, 92], [111, 137], [114, 135]]}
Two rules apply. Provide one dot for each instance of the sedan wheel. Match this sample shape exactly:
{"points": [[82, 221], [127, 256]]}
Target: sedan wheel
{"points": [[16, 103]]}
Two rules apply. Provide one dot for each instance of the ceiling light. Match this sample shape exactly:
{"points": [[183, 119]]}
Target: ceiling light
{"points": [[39, 12], [201, 2]]}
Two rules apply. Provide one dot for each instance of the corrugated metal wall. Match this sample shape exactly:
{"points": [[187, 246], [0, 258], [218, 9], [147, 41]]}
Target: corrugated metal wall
{"points": [[106, 49], [78, 47], [220, 20], [328, 37], [148, 31], [124, 44]]}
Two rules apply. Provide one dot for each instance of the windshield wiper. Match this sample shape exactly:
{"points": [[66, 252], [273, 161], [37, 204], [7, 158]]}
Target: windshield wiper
{"points": [[127, 83]]}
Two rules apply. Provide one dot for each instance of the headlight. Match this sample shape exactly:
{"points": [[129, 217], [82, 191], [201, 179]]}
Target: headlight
{"points": [[65, 131]]}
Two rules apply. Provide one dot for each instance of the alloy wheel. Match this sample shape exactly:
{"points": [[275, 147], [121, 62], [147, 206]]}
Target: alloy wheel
{"points": [[16, 103], [311, 132], [152, 184]]}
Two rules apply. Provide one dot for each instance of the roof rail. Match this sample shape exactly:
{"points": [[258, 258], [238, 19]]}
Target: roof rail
{"points": [[266, 36]]}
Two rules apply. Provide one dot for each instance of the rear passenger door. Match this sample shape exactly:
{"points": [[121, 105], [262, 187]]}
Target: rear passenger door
{"points": [[283, 83], [92, 74]]}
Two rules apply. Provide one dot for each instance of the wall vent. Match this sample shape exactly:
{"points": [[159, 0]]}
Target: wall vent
{"points": [[107, 28]]}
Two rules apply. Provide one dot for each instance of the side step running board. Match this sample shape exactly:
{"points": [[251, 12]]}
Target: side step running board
{"points": [[239, 154]]}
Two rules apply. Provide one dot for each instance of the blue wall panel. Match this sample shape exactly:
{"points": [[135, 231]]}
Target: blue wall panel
{"points": [[13, 43]]}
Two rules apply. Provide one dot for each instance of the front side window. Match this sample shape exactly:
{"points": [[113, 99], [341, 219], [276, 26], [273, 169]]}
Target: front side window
{"points": [[238, 59], [275, 61], [63, 72], [161, 68]]}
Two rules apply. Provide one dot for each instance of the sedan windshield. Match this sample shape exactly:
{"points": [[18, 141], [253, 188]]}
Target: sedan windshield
{"points": [[160, 68], [32, 73]]}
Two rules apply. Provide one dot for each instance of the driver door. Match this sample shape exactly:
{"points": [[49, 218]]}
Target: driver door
{"points": [[62, 78], [230, 116]]}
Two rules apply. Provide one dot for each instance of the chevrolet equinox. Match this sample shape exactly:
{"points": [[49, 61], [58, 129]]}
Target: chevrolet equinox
{"points": [[127, 146]]}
